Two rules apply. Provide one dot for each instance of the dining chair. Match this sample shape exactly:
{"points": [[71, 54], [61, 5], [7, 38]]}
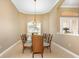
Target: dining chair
{"points": [[47, 44], [45, 38], [37, 45], [25, 42]]}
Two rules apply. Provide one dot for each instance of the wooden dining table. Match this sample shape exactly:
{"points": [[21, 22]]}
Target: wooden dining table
{"points": [[29, 42]]}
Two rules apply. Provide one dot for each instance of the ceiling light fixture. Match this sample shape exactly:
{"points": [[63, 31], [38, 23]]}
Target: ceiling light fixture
{"points": [[34, 20]]}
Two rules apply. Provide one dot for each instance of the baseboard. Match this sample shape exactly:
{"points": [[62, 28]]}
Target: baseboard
{"points": [[9, 48], [59, 46], [66, 50]]}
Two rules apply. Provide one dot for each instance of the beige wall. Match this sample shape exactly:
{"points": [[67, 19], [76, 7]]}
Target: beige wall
{"points": [[53, 21], [8, 25], [68, 41], [48, 21], [54, 18], [25, 18]]}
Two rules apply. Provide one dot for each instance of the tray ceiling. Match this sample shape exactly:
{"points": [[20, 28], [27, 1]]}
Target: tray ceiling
{"points": [[28, 6]]}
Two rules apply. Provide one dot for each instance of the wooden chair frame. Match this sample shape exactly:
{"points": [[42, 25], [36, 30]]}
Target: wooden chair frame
{"points": [[37, 45], [24, 40]]}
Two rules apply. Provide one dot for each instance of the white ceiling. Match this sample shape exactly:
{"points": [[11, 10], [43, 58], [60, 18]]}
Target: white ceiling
{"points": [[28, 6], [70, 4]]}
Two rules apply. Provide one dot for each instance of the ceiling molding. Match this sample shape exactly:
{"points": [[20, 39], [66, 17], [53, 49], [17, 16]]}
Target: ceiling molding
{"points": [[42, 9], [70, 4]]}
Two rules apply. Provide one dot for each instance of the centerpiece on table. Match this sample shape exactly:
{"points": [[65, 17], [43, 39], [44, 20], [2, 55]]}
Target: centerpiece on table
{"points": [[66, 29]]}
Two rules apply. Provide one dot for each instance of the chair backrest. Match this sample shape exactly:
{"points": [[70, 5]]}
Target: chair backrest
{"points": [[37, 44], [23, 38], [50, 38]]}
